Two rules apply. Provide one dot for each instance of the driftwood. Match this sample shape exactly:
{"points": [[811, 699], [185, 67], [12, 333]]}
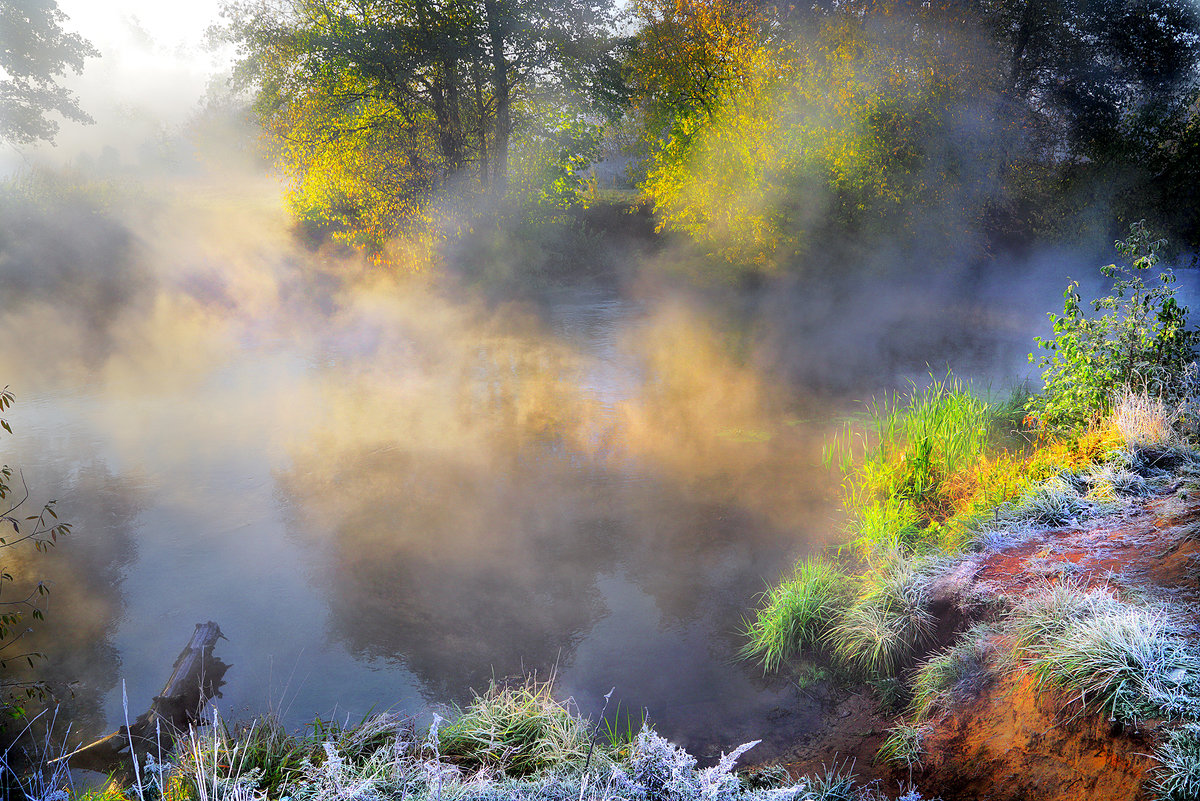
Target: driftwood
{"points": [[196, 678]]}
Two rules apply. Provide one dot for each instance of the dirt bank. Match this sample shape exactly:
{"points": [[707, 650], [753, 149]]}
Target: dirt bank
{"points": [[1008, 737]]}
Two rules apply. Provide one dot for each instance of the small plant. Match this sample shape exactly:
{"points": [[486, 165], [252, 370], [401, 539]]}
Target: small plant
{"points": [[1140, 341], [1177, 775], [905, 745], [797, 612], [41, 531]]}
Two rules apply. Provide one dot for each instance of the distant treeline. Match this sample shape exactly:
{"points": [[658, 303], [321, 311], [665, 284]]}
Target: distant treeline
{"points": [[758, 130]]}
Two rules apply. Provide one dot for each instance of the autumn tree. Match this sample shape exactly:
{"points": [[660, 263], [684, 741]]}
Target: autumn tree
{"points": [[380, 105]]}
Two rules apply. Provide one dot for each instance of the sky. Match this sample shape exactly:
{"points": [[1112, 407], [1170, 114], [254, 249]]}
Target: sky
{"points": [[153, 70]]}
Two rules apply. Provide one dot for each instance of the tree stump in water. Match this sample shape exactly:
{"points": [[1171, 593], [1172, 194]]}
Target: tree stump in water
{"points": [[196, 679]]}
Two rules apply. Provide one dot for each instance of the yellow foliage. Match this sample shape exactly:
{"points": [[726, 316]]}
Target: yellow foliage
{"points": [[770, 139]]}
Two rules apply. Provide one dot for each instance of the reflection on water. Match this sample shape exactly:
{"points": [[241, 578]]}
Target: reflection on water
{"points": [[388, 497]]}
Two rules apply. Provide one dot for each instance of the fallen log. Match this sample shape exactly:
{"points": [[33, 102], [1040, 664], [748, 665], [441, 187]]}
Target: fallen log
{"points": [[196, 679]]}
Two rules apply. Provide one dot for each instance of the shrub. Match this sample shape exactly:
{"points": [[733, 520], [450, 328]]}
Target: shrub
{"points": [[40, 531], [797, 612], [1141, 341]]}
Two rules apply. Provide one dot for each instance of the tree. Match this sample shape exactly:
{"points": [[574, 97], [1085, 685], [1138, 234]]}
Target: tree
{"points": [[41, 531], [766, 139], [380, 105], [35, 52]]}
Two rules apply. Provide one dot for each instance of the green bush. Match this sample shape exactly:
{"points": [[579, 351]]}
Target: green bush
{"points": [[1140, 341]]}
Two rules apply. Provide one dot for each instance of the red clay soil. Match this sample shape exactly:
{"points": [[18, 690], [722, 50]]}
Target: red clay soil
{"points": [[1015, 741]]}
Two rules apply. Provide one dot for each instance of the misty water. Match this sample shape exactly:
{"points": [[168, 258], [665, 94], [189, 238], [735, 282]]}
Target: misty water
{"points": [[388, 492]]}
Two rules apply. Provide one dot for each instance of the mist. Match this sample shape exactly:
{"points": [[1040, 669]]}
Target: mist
{"points": [[391, 484]]}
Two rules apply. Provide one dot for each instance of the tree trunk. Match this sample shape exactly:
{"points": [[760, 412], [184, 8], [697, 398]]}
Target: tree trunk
{"points": [[496, 24], [481, 118]]}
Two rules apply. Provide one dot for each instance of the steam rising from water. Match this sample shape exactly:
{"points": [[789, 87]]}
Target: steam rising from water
{"points": [[387, 491]]}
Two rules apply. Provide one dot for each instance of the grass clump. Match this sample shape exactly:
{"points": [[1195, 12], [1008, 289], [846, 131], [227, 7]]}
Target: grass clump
{"points": [[1122, 658], [905, 745], [797, 612], [1144, 420], [957, 671], [1127, 662], [518, 728], [888, 620], [1177, 775]]}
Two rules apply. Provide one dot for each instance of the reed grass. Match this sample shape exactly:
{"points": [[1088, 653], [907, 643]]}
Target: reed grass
{"points": [[796, 612]]}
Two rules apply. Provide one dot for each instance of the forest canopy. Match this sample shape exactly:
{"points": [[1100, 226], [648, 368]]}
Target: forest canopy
{"points": [[761, 130]]}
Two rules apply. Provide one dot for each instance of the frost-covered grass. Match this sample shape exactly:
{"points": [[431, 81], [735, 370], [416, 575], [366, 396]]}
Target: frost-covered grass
{"points": [[1145, 421], [1054, 502], [956, 671], [1124, 659], [888, 620], [1177, 776], [521, 728], [387, 759], [905, 744]]}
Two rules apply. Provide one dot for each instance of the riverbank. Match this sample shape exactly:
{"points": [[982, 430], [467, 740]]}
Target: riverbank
{"points": [[1067, 666]]}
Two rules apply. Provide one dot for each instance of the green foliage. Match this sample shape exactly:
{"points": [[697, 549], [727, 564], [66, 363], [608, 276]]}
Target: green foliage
{"points": [[1139, 341], [796, 612], [520, 729], [889, 619], [390, 115], [37, 52], [39, 531]]}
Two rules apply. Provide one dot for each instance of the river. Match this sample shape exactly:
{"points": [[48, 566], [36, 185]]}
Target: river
{"points": [[390, 491]]}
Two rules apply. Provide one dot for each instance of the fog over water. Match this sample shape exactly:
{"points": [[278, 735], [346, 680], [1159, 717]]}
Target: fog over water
{"points": [[388, 488]]}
